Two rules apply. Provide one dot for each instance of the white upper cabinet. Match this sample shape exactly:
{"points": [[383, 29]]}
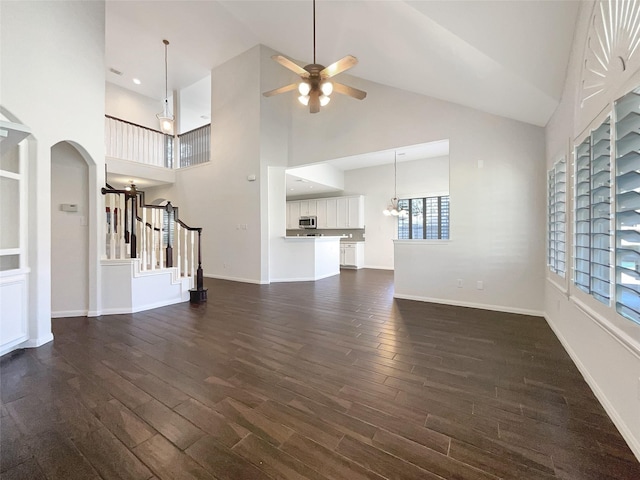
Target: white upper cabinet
{"points": [[355, 215], [321, 212], [304, 208], [293, 215], [331, 213]]}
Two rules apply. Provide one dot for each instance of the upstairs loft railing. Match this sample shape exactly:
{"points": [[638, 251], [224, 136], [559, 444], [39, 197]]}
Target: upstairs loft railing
{"points": [[195, 146], [136, 143], [155, 234], [129, 141]]}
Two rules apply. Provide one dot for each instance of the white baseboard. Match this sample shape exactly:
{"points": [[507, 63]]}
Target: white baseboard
{"points": [[139, 308], [481, 306], [632, 441], [236, 279], [70, 313], [304, 279], [36, 342], [376, 267]]}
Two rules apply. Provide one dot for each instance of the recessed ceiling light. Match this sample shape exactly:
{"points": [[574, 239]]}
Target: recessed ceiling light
{"points": [[292, 189], [137, 81]]}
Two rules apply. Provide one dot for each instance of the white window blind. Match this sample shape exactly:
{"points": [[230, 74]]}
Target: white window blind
{"points": [[556, 217], [592, 261], [627, 247]]}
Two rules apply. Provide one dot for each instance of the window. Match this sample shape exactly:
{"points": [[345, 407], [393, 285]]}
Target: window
{"points": [[556, 217], [592, 262], [627, 249], [428, 218]]}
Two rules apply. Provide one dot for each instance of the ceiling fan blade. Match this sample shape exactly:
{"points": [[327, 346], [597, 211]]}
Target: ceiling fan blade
{"points": [[338, 67], [276, 91], [314, 102], [350, 91], [294, 67]]}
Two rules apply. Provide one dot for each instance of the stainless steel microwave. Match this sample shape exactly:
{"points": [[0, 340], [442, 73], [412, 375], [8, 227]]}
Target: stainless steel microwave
{"points": [[308, 222]]}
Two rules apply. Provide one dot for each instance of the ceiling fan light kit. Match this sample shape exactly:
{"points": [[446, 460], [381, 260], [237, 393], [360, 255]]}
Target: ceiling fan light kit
{"points": [[315, 88]]}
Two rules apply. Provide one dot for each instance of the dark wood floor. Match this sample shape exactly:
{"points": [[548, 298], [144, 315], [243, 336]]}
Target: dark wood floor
{"points": [[325, 380]]}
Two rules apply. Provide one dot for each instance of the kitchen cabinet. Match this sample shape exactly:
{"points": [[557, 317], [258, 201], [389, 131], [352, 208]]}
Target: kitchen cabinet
{"points": [[293, 215], [331, 213], [350, 212], [352, 254], [321, 212]]}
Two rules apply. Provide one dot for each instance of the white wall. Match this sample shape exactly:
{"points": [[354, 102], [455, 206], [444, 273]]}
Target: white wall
{"points": [[250, 134], [52, 80], [497, 189], [604, 346], [131, 106], [418, 178], [69, 233]]}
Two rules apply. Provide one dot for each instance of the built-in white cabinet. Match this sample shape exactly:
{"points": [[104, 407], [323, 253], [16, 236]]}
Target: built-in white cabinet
{"points": [[293, 214], [14, 271], [352, 254], [331, 213], [331, 221]]}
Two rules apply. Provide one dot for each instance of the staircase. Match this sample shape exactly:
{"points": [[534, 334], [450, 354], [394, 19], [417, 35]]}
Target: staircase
{"points": [[151, 257]]}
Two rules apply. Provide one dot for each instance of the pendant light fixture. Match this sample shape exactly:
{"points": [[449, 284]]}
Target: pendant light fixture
{"points": [[394, 209], [166, 118]]}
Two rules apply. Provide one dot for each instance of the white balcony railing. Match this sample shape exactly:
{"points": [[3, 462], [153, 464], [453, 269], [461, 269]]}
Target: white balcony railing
{"points": [[128, 141]]}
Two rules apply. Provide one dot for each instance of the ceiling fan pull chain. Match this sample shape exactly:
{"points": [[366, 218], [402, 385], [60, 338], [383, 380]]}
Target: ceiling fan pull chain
{"points": [[314, 31]]}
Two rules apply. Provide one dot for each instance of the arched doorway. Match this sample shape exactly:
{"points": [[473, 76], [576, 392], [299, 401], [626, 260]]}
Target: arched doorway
{"points": [[70, 214]]}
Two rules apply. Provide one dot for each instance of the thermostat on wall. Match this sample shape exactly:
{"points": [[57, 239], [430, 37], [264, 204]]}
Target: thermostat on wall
{"points": [[69, 207]]}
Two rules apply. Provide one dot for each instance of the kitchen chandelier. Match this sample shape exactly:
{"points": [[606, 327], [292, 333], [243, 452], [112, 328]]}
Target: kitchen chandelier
{"points": [[394, 209], [166, 118]]}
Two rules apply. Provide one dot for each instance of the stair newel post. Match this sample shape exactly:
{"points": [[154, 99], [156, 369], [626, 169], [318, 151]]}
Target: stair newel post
{"points": [[199, 294], [133, 195], [169, 249], [199, 275]]}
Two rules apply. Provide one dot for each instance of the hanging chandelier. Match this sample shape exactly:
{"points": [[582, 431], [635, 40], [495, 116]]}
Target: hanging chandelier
{"points": [[166, 118], [394, 209]]}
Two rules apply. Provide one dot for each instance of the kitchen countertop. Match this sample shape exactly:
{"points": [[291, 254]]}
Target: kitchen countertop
{"points": [[304, 237]]}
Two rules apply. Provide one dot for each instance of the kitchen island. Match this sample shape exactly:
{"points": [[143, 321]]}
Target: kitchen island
{"points": [[305, 258]]}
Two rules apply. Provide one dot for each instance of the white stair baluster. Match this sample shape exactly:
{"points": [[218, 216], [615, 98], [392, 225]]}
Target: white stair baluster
{"points": [[177, 242], [185, 256], [121, 205], [143, 241], [161, 244], [193, 263], [153, 239], [111, 225]]}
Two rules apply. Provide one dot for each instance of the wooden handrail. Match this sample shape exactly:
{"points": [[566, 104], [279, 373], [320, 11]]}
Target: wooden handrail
{"points": [[198, 294], [136, 125], [194, 130]]}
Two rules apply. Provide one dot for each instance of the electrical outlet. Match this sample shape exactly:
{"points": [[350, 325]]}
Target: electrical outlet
{"points": [[480, 285], [459, 283], [225, 265]]}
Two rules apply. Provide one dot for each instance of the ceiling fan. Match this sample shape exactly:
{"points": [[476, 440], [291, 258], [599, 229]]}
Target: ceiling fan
{"points": [[315, 88]]}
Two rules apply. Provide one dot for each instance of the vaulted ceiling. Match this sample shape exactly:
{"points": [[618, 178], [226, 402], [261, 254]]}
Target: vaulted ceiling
{"points": [[504, 57]]}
